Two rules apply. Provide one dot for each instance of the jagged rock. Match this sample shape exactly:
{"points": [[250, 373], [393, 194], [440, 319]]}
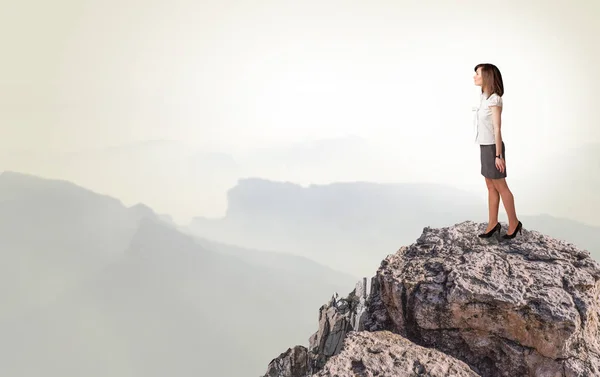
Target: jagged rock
{"points": [[524, 307], [337, 319], [383, 353], [292, 363]]}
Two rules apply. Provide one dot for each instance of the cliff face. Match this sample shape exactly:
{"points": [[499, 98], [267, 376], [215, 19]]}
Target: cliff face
{"points": [[484, 307]]}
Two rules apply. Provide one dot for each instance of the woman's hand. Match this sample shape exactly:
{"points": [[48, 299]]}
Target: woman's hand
{"points": [[500, 164]]}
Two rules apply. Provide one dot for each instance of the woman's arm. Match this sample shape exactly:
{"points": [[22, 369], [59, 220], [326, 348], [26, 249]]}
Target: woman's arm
{"points": [[497, 120]]}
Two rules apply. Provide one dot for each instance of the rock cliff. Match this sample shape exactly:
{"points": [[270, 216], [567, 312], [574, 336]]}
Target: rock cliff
{"points": [[452, 304]]}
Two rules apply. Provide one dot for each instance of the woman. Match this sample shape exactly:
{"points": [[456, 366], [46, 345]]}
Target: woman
{"points": [[492, 149]]}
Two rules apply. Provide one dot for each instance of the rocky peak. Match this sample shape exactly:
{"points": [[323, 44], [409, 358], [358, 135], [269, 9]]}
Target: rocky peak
{"points": [[522, 307]]}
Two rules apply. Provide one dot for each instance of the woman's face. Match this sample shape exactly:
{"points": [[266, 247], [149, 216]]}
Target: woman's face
{"points": [[477, 78]]}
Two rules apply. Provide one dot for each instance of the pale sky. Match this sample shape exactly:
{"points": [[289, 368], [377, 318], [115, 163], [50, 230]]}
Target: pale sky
{"points": [[391, 79]]}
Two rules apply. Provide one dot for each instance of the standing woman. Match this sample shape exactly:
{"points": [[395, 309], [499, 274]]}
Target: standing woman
{"points": [[493, 159]]}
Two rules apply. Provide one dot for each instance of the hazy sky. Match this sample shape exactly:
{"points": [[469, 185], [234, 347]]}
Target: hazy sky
{"points": [[237, 77]]}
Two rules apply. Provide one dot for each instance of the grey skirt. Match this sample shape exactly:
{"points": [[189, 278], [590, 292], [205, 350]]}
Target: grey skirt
{"points": [[488, 161]]}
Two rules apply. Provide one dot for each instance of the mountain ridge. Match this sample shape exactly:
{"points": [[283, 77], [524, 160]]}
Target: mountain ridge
{"points": [[86, 283]]}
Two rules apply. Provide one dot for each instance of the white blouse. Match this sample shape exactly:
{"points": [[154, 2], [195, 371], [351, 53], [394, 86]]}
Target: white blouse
{"points": [[484, 126]]}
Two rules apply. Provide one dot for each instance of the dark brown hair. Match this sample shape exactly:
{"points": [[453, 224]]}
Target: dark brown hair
{"points": [[492, 79]]}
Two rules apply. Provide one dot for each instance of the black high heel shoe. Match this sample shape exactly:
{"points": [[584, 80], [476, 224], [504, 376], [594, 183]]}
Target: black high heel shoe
{"points": [[518, 229], [491, 232]]}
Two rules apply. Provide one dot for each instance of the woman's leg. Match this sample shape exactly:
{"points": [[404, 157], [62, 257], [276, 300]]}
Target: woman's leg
{"points": [[509, 203], [493, 204]]}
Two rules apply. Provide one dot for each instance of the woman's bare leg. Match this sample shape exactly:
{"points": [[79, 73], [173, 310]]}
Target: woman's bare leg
{"points": [[493, 204], [509, 203]]}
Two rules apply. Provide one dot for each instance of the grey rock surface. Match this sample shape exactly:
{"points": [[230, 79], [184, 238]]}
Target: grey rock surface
{"points": [[337, 318], [384, 353], [522, 307], [293, 362]]}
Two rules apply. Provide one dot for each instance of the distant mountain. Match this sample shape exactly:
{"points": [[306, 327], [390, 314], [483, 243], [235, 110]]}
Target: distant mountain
{"points": [[353, 225], [151, 172], [53, 234], [347, 225], [99, 289]]}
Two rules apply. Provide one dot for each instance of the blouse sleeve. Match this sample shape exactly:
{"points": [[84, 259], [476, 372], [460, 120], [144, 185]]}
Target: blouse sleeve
{"points": [[495, 100]]}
